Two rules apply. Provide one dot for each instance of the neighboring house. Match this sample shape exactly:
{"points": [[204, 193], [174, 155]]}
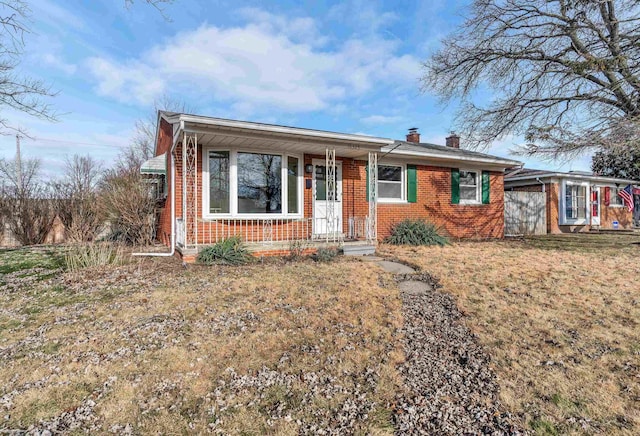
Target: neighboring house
{"points": [[273, 185], [576, 201]]}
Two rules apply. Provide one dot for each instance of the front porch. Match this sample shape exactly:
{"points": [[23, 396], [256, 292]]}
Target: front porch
{"points": [[275, 191], [279, 236]]}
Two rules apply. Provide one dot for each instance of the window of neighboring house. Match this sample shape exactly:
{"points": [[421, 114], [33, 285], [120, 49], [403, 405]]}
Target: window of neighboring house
{"points": [[390, 182], [575, 202], [250, 183], [614, 199], [469, 187]]}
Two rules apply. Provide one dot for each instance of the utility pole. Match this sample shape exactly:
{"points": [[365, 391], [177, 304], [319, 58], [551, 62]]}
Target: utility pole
{"points": [[18, 165]]}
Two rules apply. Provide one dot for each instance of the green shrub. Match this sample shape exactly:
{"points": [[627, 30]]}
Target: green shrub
{"points": [[230, 251], [416, 232], [94, 254], [326, 254]]}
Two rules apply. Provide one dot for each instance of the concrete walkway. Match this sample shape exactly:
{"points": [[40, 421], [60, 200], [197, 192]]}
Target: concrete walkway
{"points": [[395, 267]]}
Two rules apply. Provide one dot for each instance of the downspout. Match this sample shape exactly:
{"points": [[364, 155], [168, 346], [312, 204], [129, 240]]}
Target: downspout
{"points": [[173, 205], [544, 187]]}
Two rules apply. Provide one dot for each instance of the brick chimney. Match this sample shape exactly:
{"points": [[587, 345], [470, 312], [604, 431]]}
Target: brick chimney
{"points": [[453, 140], [413, 135]]}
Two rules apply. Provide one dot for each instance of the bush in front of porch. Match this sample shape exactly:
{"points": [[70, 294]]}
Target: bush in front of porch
{"points": [[229, 251], [416, 232]]}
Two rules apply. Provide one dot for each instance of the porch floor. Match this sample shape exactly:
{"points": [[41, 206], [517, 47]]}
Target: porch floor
{"points": [[283, 248]]}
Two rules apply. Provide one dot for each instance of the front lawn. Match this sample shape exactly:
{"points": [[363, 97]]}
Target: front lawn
{"points": [[151, 347], [560, 316]]}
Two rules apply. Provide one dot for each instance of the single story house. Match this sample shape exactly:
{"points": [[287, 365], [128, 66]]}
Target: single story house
{"points": [[274, 184], [576, 201]]}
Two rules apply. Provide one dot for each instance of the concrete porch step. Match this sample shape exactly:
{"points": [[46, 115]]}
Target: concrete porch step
{"points": [[358, 249]]}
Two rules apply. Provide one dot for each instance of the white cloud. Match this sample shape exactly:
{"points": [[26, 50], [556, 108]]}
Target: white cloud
{"points": [[56, 62], [269, 63], [381, 119]]}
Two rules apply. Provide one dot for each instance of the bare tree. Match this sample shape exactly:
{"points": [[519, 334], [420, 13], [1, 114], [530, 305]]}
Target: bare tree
{"points": [[130, 207], [27, 206], [23, 93], [20, 93], [76, 199], [127, 195], [144, 137], [158, 4], [565, 74]]}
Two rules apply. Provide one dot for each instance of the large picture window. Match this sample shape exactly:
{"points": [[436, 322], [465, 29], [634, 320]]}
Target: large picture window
{"points": [[248, 183], [259, 183], [390, 183]]}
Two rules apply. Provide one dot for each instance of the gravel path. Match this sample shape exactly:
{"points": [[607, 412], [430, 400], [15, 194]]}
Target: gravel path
{"points": [[449, 387]]}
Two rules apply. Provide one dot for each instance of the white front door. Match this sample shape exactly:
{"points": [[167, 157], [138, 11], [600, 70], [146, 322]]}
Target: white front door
{"points": [[595, 205], [321, 225]]}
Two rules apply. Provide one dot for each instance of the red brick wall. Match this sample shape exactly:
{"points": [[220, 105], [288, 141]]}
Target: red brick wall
{"points": [[609, 214], [433, 204], [165, 139]]}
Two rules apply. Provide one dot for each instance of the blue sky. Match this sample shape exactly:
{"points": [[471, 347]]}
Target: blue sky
{"points": [[350, 66]]}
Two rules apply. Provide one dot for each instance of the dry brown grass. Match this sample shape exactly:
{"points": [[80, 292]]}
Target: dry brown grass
{"points": [[560, 318], [174, 339]]}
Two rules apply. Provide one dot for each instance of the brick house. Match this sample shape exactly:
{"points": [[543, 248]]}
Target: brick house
{"points": [[576, 201], [274, 184]]}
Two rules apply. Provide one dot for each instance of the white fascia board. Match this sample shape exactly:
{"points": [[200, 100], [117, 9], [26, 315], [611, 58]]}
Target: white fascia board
{"points": [[565, 176], [216, 122], [498, 162]]}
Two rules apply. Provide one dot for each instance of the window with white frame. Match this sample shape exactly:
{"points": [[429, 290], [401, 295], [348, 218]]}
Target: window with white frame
{"points": [[469, 187], [390, 182], [575, 202], [247, 183], [615, 199]]}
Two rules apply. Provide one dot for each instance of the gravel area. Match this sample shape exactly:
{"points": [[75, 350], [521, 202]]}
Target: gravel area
{"points": [[449, 386]]}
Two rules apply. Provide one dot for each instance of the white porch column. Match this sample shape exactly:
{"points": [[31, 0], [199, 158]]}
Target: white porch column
{"points": [[331, 189], [190, 189], [372, 219]]}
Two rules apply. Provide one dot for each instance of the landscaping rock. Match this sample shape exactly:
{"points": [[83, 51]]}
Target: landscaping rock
{"points": [[449, 386]]}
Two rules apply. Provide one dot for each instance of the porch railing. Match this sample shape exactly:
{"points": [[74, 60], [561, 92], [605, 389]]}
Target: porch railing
{"points": [[269, 231]]}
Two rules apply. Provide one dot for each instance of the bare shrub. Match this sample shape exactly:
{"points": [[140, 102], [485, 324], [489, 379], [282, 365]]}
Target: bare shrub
{"points": [[127, 197], [76, 199], [94, 254], [27, 206], [130, 207]]}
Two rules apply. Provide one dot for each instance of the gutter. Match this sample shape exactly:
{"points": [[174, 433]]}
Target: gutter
{"points": [[504, 163], [283, 129], [173, 205], [571, 176]]}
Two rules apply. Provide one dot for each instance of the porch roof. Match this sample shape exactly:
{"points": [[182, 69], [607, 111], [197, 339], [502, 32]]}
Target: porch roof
{"points": [[224, 132], [156, 165]]}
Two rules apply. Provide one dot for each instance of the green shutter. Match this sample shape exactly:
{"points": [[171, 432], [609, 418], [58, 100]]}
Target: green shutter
{"points": [[486, 186], [412, 184], [366, 171], [455, 186]]}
